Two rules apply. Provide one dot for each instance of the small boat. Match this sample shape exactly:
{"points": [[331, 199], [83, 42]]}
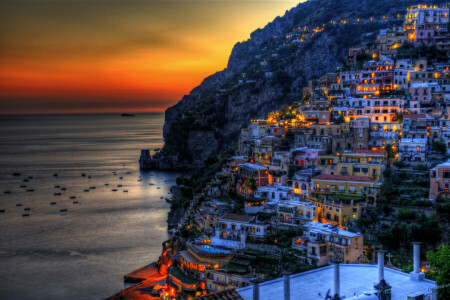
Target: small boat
{"points": [[92, 188], [119, 185], [56, 194], [63, 189], [52, 203], [2, 211], [55, 175], [158, 187], [30, 177], [128, 173], [161, 197], [57, 186], [89, 176], [16, 174], [151, 183], [25, 215], [63, 210], [25, 180], [7, 192], [27, 209], [75, 202], [19, 204], [125, 191], [139, 179], [114, 190], [127, 115], [106, 184], [83, 175], [23, 186], [120, 178], [86, 191], [30, 190], [72, 197]]}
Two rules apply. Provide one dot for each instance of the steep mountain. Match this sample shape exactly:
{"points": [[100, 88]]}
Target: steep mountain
{"points": [[270, 69]]}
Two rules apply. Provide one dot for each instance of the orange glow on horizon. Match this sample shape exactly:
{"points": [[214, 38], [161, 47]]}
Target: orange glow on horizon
{"points": [[118, 57]]}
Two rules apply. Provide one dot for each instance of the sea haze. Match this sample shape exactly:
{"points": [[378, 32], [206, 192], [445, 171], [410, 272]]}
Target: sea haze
{"points": [[82, 253]]}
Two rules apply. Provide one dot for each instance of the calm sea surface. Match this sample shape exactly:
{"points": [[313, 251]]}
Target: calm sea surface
{"points": [[82, 253]]}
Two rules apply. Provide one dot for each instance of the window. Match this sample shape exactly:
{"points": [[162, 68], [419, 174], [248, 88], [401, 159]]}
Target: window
{"points": [[352, 188]]}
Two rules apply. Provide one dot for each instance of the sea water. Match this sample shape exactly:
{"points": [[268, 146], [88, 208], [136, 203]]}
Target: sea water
{"points": [[81, 253]]}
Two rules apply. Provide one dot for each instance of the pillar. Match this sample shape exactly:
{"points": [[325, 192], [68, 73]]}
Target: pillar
{"points": [[380, 265], [336, 279], [287, 286]]}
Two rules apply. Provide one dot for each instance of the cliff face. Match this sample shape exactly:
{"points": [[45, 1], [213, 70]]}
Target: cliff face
{"points": [[267, 71]]}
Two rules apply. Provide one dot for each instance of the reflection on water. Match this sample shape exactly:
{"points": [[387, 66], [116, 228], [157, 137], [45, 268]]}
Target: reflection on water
{"points": [[85, 164]]}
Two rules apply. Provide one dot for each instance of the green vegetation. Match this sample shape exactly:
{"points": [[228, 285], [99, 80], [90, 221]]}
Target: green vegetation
{"points": [[439, 146], [439, 271], [281, 237]]}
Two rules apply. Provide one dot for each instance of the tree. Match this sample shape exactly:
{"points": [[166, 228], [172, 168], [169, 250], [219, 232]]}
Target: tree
{"points": [[440, 269], [390, 155], [439, 146]]}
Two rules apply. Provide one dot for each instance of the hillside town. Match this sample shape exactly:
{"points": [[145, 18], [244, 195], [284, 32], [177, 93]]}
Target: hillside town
{"points": [[309, 187]]}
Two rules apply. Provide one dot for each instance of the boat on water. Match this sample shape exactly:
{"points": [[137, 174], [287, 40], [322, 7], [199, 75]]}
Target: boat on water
{"points": [[125, 191], [57, 186], [72, 197], [75, 202], [86, 191], [2, 210], [19, 204], [121, 178], [52, 203], [119, 185], [63, 210], [63, 189], [25, 215], [127, 115], [114, 190], [30, 190], [92, 188], [56, 194], [7, 192], [27, 209], [23, 186]]}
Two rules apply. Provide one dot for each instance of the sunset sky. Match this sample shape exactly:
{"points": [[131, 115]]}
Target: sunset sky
{"points": [[117, 56]]}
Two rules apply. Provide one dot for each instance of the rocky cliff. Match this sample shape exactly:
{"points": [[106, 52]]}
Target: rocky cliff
{"points": [[269, 70]]}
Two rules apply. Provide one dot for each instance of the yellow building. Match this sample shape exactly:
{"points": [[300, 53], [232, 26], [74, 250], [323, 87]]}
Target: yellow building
{"points": [[340, 198], [362, 163]]}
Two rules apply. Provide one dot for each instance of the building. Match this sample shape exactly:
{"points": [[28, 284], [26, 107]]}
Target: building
{"points": [[440, 181], [341, 198], [232, 231], [355, 282], [324, 243], [295, 213], [427, 24]]}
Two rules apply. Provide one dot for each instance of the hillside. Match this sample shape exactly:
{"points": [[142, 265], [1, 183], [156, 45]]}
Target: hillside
{"points": [[270, 69]]}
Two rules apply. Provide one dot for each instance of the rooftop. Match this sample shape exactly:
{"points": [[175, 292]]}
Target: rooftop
{"points": [[414, 116], [344, 178], [328, 228], [251, 167], [361, 151], [222, 295], [353, 279], [235, 217]]}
